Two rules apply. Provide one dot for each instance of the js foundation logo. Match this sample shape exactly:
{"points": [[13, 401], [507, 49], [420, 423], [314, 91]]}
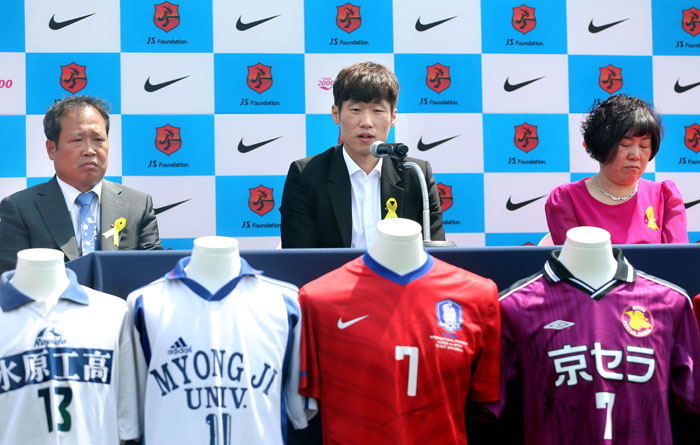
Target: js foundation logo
{"points": [[445, 194], [259, 77], [691, 21], [692, 137], [524, 19], [166, 16], [73, 78], [438, 77], [348, 18], [610, 78], [261, 200], [168, 139], [526, 137]]}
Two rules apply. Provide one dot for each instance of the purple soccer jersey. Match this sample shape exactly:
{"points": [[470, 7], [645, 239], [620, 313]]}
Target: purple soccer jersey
{"points": [[596, 364]]}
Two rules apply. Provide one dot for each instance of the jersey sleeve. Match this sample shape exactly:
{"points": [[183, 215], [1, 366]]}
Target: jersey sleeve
{"points": [[685, 360], [128, 406], [485, 383], [675, 223], [560, 214], [309, 380], [141, 350], [300, 409]]}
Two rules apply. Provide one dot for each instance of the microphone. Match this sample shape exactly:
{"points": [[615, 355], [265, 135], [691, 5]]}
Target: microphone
{"points": [[380, 149]]}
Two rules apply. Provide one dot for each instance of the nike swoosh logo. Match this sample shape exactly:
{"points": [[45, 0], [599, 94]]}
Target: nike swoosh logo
{"points": [[678, 88], [692, 203], [510, 87], [595, 29], [426, 147], [346, 324], [424, 27], [53, 24], [150, 87], [510, 205], [159, 210], [246, 26], [243, 148]]}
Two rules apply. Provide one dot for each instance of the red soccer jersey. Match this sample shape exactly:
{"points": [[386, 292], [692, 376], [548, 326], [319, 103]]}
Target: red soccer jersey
{"points": [[392, 358]]}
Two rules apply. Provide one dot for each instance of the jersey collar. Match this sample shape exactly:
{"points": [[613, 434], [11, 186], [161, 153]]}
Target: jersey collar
{"points": [[554, 271], [11, 298], [393, 276], [178, 273]]}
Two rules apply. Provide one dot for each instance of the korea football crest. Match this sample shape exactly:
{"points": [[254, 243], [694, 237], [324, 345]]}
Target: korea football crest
{"points": [[438, 78], [348, 18], [445, 194], [692, 137], [168, 139], [166, 16], [524, 19], [691, 21], [526, 137], [261, 200], [73, 78], [259, 77], [610, 78], [449, 315]]}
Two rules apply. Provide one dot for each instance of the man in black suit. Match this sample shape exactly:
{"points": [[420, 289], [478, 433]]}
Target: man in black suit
{"points": [[47, 215], [336, 198]]}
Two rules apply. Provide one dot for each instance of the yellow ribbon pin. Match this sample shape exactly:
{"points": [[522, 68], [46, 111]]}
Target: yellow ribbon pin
{"points": [[118, 227], [391, 206], [652, 221]]}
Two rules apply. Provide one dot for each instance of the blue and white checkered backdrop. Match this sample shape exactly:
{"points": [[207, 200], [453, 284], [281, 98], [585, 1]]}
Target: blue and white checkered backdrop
{"points": [[211, 100]]}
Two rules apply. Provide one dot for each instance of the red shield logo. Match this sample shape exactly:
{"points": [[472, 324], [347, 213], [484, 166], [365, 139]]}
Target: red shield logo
{"points": [[692, 137], [168, 139], [166, 16], [526, 137], [348, 18], [445, 194], [261, 200], [691, 21], [259, 77], [73, 78], [610, 78], [438, 78], [524, 19]]}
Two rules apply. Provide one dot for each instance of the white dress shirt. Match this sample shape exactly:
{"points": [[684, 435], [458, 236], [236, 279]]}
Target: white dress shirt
{"points": [[366, 197]]}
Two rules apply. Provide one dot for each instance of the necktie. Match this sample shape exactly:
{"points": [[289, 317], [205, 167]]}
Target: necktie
{"points": [[88, 222]]}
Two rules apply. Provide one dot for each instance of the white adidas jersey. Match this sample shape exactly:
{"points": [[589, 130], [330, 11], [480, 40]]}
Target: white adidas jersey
{"points": [[218, 369], [66, 376]]}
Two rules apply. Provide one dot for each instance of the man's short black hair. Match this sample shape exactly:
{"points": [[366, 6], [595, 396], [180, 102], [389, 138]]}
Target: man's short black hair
{"points": [[617, 117], [366, 82], [52, 125]]}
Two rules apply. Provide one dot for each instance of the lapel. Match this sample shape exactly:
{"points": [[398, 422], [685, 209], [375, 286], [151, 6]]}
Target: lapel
{"points": [[391, 188], [52, 207], [339, 190], [112, 207]]}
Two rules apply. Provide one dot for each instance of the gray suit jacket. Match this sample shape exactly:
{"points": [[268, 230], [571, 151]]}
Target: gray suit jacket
{"points": [[38, 217]]}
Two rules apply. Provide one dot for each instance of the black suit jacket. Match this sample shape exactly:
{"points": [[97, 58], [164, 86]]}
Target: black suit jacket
{"points": [[38, 217], [316, 202]]}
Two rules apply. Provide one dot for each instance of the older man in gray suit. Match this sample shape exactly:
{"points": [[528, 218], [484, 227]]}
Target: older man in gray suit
{"points": [[49, 215]]}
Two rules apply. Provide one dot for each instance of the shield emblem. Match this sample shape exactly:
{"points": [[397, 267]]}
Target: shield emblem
{"points": [[691, 21], [259, 77], [168, 139], [524, 19], [166, 16], [526, 137], [348, 18], [445, 194], [261, 200], [610, 78], [692, 137], [73, 78], [449, 315], [438, 77]]}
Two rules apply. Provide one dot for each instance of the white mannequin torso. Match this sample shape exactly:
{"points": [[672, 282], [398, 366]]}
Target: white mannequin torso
{"points": [[398, 245], [587, 254], [40, 274], [215, 261]]}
